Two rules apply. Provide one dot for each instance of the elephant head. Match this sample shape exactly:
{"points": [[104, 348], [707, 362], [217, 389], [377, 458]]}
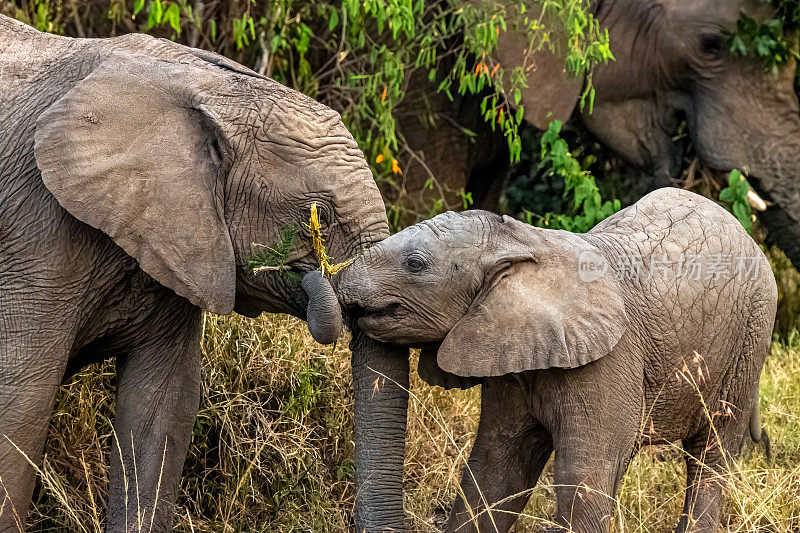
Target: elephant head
{"points": [[673, 63], [185, 160], [460, 287]]}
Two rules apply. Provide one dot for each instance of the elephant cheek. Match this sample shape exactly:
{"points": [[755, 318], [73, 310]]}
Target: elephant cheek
{"points": [[323, 313]]}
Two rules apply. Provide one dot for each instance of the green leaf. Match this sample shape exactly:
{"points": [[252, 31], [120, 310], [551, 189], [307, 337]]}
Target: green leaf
{"points": [[156, 12], [743, 214], [173, 16], [334, 20]]}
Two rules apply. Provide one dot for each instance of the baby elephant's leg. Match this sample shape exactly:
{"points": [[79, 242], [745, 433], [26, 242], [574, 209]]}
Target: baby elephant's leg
{"points": [[708, 454], [704, 484], [595, 430], [509, 453], [586, 479]]}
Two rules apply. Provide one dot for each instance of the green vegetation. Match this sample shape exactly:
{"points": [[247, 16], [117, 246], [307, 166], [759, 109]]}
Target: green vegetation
{"points": [[735, 194], [774, 42], [588, 207], [275, 257], [356, 57]]}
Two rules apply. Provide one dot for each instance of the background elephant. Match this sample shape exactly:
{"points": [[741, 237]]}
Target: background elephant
{"points": [[672, 65], [135, 174], [590, 344]]}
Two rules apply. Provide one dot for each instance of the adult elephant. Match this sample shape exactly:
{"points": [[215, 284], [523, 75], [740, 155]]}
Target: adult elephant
{"points": [[135, 174], [672, 63]]}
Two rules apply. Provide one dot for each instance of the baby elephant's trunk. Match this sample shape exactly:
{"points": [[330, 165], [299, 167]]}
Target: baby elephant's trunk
{"points": [[323, 313], [757, 431]]}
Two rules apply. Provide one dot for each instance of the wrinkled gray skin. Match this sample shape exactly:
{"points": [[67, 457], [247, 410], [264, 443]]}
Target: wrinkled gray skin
{"points": [[135, 174], [585, 364], [672, 62]]}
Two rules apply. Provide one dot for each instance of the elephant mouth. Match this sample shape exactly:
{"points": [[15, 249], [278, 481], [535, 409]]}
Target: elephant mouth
{"points": [[376, 321], [284, 294]]}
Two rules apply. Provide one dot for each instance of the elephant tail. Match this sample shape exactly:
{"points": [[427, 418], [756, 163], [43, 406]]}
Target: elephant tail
{"points": [[758, 433]]}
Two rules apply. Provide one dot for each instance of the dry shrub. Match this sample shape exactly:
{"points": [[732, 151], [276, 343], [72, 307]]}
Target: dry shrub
{"points": [[272, 446]]}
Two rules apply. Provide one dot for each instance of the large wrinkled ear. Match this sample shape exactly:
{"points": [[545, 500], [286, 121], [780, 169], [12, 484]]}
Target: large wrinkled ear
{"points": [[551, 93], [538, 314], [126, 151]]}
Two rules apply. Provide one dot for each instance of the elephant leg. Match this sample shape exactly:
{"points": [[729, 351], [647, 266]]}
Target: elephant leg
{"points": [[23, 427], [158, 394], [595, 431], [586, 478], [707, 459], [510, 451], [32, 361]]}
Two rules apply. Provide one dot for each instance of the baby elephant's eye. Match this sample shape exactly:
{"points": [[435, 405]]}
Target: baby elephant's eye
{"points": [[414, 264]]}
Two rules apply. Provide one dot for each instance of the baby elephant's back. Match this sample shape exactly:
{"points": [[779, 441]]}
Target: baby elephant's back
{"points": [[694, 282]]}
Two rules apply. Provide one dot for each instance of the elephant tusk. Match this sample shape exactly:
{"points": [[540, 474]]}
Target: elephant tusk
{"points": [[755, 201]]}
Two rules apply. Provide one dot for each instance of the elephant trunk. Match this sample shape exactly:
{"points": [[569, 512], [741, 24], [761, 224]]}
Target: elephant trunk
{"points": [[380, 381], [775, 180], [323, 313]]}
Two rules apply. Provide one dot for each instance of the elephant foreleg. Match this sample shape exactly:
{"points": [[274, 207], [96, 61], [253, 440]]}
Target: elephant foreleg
{"points": [[32, 359], [595, 432], [158, 395], [509, 453]]}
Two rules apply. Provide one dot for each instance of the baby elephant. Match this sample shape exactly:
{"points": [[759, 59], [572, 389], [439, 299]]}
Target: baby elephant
{"points": [[651, 328]]}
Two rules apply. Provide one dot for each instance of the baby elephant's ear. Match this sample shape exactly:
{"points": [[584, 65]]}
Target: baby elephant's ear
{"points": [[429, 371], [539, 314]]}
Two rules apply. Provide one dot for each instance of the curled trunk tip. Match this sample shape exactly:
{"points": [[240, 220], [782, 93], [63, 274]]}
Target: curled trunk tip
{"points": [[323, 313]]}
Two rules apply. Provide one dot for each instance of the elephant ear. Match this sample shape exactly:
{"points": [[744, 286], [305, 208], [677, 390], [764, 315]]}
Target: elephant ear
{"points": [[541, 313], [128, 153], [551, 93], [430, 372]]}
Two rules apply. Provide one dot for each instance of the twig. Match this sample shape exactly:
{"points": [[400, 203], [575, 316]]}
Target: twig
{"points": [[262, 268], [77, 20]]}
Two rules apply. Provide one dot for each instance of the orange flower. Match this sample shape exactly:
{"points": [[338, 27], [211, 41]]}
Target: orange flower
{"points": [[383, 96], [396, 167], [500, 115], [478, 68], [379, 159], [494, 70]]}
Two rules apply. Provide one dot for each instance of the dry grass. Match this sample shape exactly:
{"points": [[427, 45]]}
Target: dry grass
{"points": [[272, 447]]}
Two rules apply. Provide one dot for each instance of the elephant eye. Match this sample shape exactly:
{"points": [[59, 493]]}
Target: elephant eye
{"points": [[415, 264], [324, 212], [711, 44]]}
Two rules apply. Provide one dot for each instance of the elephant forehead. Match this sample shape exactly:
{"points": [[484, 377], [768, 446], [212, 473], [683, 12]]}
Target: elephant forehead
{"points": [[470, 228], [713, 10], [269, 114]]}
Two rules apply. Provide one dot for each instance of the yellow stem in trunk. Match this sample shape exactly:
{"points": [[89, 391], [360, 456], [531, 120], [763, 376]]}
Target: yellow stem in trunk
{"points": [[318, 243]]}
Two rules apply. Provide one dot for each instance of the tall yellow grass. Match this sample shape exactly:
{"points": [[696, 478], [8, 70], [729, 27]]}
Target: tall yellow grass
{"points": [[272, 447]]}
